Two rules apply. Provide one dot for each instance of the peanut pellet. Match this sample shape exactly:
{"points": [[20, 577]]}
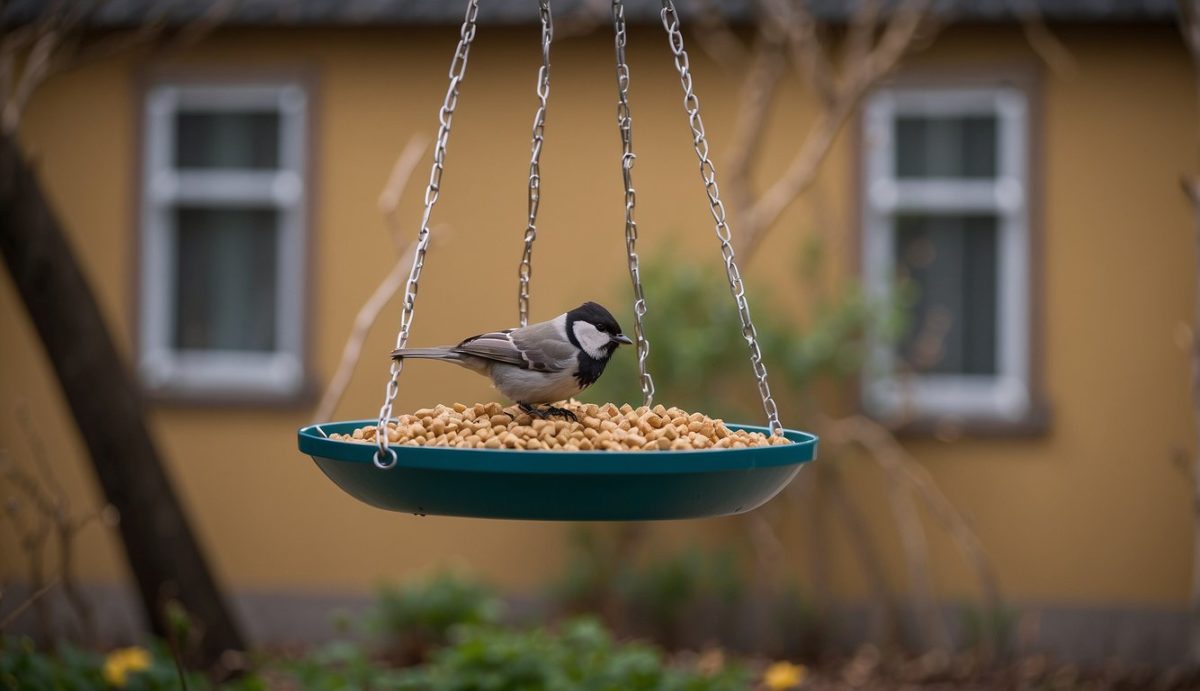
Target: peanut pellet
{"points": [[598, 427]]}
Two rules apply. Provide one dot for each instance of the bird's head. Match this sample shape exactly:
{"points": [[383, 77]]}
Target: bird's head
{"points": [[593, 329]]}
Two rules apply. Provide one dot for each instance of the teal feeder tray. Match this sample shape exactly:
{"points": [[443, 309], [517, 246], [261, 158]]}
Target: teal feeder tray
{"points": [[559, 485]]}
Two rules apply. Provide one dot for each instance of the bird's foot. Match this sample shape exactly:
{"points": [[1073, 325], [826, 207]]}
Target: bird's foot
{"points": [[547, 412], [554, 411]]}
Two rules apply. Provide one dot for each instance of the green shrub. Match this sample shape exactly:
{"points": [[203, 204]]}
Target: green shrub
{"points": [[698, 357], [414, 618], [24, 667], [581, 656], [340, 666], [686, 598]]}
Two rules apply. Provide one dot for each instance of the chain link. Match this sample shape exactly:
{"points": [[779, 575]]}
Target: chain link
{"points": [[386, 457], [535, 170], [708, 173], [625, 125]]}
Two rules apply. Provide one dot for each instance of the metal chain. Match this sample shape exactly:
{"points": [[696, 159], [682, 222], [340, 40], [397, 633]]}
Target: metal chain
{"points": [[625, 125], [708, 173], [535, 170], [384, 456]]}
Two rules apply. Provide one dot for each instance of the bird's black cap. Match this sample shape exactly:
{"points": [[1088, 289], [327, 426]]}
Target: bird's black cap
{"points": [[596, 315]]}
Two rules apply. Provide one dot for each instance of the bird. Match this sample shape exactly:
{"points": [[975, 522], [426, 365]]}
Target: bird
{"points": [[540, 363]]}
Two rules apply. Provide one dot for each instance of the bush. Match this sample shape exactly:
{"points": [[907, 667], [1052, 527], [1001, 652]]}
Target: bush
{"points": [[417, 617], [339, 666], [581, 656], [698, 357], [24, 667]]}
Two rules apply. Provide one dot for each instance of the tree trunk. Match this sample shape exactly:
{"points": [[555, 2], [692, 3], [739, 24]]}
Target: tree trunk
{"points": [[107, 405]]}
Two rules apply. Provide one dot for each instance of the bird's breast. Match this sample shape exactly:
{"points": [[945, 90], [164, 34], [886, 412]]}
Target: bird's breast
{"points": [[529, 386]]}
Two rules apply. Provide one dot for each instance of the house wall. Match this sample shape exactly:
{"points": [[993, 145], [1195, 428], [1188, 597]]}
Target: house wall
{"points": [[1094, 511]]}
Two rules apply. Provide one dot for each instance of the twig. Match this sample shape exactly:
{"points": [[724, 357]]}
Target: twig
{"points": [[586, 17], [393, 189], [32, 538], [886, 451], [885, 619], [66, 527], [41, 464], [352, 351], [867, 61], [57, 43], [860, 37], [34, 597], [759, 89], [1042, 40], [368, 314], [804, 44], [715, 37], [908, 525]]}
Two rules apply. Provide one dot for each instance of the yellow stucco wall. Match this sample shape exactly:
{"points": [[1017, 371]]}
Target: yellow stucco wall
{"points": [[1093, 511]]}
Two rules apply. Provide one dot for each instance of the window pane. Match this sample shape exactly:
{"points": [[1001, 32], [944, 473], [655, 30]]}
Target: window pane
{"points": [[248, 139], [953, 147], [951, 262], [225, 267]]}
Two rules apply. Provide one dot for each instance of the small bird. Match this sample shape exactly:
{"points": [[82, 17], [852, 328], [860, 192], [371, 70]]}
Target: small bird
{"points": [[539, 363]]}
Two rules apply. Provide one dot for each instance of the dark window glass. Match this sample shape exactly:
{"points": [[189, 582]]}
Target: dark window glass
{"points": [[248, 139], [951, 261], [225, 295], [952, 147]]}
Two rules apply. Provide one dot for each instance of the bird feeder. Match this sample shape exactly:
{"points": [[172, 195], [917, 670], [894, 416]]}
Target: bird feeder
{"points": [[571, 485]]}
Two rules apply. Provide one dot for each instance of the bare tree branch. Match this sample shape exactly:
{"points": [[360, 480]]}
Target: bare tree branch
{"points": [[885, 621], [366, 318], [716, 38], [368, 314], [57, 41], [1043, 41], [867, 61], [588, 16], [34, 598], [389, 197], [1189, 11], [904, 470], [809, 54], [758, 94]]}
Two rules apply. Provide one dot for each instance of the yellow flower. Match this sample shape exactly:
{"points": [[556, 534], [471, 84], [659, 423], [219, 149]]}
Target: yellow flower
{"points": [[784, 675], [120, 663]]}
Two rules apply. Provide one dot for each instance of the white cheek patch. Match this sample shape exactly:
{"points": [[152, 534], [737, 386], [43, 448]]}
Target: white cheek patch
{"points": [[590, 339]]}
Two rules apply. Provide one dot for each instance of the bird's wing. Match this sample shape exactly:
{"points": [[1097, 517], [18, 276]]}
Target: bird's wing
{"points": [[545, 345], [497, 346]]}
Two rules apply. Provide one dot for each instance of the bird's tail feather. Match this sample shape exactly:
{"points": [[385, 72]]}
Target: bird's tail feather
{"points": [[426, 353]]}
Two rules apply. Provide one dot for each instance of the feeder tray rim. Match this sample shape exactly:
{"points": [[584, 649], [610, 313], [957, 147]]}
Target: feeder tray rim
{"points": [[313, 442]]}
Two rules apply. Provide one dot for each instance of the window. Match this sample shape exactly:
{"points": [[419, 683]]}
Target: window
{"points": [[946, 219], [223, 240]]}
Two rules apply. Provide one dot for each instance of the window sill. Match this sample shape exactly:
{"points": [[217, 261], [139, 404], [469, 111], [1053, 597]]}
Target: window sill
{"points": [[1037, 422], [304, 396]]}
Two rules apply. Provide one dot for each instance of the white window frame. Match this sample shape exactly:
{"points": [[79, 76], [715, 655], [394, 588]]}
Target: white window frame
{"points": [[163, 368], [887, 392]]}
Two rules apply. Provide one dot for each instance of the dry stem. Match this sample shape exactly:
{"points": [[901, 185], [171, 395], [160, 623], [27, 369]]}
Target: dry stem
{"points": [[393, 189], [867, 60], [903, 470], [368, 314]]}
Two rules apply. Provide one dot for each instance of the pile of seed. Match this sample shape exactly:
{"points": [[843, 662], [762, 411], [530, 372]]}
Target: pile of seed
{"points": [[607, 428]]}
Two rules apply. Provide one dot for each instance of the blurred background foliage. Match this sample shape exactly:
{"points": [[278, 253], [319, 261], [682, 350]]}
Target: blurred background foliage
{"points": [[467, 646], [699, 359]]}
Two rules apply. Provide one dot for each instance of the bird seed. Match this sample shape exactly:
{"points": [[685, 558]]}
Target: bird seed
{"points": [[597, 428]]}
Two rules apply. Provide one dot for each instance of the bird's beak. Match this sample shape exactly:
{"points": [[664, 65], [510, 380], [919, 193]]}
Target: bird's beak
{"points": [[622, 338]]}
